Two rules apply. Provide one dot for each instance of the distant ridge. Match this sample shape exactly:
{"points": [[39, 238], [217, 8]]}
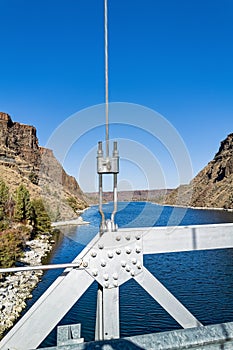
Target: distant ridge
{"points": [[213, 186], [22, 160], [156, 196]]}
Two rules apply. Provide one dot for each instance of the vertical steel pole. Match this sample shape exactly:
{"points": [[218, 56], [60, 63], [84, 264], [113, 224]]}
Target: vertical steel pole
{"points": [[111, 323], [99, 314], [101, 204], [114, 198]]}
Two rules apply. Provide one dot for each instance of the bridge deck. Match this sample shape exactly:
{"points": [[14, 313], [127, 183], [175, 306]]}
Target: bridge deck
{"points": [[213, 337]]}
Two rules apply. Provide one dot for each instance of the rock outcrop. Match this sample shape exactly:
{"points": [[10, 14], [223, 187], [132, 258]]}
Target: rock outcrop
{"points": [[19, 140], [213, 186], [22, 160]]}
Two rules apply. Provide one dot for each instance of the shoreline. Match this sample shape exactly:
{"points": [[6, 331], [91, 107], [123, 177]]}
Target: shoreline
{"points": [[198, 208], [78, 221], [230, 210], [16, 288]]}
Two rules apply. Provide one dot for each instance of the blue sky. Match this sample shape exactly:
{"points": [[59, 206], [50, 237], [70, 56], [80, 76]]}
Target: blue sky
{"points": [[172, 56]]}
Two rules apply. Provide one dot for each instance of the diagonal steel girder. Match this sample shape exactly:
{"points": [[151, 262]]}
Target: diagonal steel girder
{"points": [[68, 288], [50, 308], [44, 315], [166, 300]]}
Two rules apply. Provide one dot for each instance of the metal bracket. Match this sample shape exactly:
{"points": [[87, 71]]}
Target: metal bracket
{"points": [[107, 165], [69, 335]]}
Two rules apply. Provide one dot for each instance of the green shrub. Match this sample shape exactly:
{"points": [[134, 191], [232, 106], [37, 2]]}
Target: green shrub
{"points": [[40, 217], [4, 197], [10, 247], [22, 212]]}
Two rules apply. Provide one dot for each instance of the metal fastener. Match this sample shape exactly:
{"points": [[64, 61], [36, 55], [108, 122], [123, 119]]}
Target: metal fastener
{"points": [[134, 261], [128, 250], [128, 268], [138, 250], [93, 253], [95, 272], [103, 263], [110, 255], [123, 263], [118, 251], [115, 276], [106, 277], [101, 246]]}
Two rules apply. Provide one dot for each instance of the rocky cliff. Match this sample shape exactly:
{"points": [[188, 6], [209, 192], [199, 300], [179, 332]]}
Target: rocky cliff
{"points": [[213, 186], [22, 160]]}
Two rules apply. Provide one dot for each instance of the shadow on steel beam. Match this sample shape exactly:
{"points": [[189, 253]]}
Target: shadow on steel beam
{"points": [[114, 344], [194, 238], [225, 332]]}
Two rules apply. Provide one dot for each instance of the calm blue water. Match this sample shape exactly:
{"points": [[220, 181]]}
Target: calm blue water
{"points": [[201, 280]]}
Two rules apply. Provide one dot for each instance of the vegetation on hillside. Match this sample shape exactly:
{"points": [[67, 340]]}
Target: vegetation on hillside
{"points": [[75, 204], [20, 219]]}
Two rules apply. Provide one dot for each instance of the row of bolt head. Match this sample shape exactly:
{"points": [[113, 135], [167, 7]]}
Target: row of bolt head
{"points": [[105, 275], [128, 250], [138, 237], [107, 284], [110, 255], [103, 262], [115, 276], [118, 238], [127, 266]]}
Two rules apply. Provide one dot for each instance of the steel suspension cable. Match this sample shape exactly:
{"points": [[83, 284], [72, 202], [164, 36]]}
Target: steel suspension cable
{"points": [[106, 76]]}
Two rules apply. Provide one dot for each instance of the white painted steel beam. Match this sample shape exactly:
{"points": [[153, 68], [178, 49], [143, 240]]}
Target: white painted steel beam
{"points": [[107, 314], [111, 322], [44, 315], [186, 238], [49, 309], [166, 300], [99, 315]]}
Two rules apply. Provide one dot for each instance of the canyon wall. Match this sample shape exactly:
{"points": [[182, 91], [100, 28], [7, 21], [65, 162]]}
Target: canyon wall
{"points": [[22, 160]]}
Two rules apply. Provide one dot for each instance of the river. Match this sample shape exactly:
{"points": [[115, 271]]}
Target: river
{"points": [[201, 280]]}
